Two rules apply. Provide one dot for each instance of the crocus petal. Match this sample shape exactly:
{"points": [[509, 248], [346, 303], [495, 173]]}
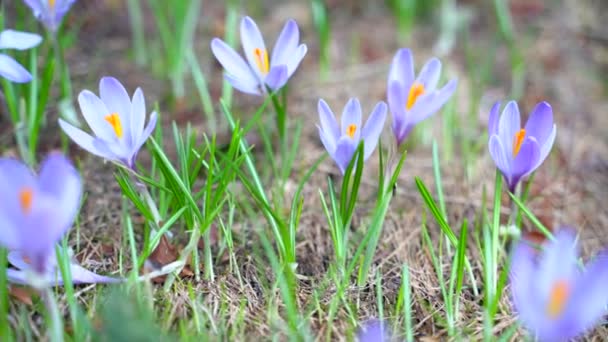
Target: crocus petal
{"points": [[328, 143], [13, 71], [82, 139], [402, 69], [589, 297], [493, 120], [60, 180], [80, 275], [509, 124], [430, 104], [373, 128], [540, 123], [138, 114], [252, 88], [115, 97], [234, 64], [286, 44], [345, 148], [429, 75], [498, 154], [277, 77], [329, 125], [11, 39], [36, 6], [15, 176], [352, 116], [148, 131], [294, 61], [375, 331], [522, 277], [16, 276], [526, 159], [558, 260], [252, 39], [94, 112], [8, 233], [545, 148], [396, 103]]}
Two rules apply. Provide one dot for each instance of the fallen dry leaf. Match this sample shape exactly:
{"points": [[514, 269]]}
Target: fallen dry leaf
{"points": [[22, 294], [164, 254]]}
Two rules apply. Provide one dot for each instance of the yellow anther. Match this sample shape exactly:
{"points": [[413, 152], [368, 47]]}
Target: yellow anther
{"points": [[261, 59], [51, 3], [518, 139], [416, 91], [351, 130], [114, 120], [26, 196], [558, 298]]}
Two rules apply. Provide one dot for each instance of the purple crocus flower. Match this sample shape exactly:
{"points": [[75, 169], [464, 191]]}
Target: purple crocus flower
{"points": [[9, 68], [374, 331], [259, 71], [555, 299], [518, 151], [50, 12], [116, 121], [412, 99], [341, 143]]}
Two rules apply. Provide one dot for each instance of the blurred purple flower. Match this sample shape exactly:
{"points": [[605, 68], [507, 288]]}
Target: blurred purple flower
{"points": [[341, 143], [261, 71], [518, 151], [555, 300], [50, 12], [374, 331], [9, 68], [52, 275], [116, 121], [412, 99]]}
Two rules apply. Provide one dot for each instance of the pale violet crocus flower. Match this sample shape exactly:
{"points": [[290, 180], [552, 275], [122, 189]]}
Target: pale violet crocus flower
{"points": [[261, 70], [341, 141], [412, 98], [35, 212], [50, 12], [116, 120], [10, 68], [519, 151], [556, 299]]}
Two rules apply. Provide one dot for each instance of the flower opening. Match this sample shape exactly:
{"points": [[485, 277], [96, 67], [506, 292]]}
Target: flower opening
{"points": [[114, 120], [518, 139], [416, 91], [26, 196], [51, 4], [558, 298], [351, 130], [261, 59]]}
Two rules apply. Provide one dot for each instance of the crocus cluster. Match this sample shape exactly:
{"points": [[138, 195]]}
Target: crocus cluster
{"points": [[50, 12], [519, 151], [10, 68], [117, 122], [35, 212], [557, 300], [260, 70]]}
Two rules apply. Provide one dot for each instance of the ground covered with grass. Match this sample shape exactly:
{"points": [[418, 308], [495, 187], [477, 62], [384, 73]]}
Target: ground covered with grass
{"points": [[245, 213]]}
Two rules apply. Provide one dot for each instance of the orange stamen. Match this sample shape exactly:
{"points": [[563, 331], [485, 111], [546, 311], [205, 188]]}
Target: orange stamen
{"points": [[261, 59], [518, 139], [416, 91], [51, 3], [351, 130], [558, 298], [26, 196], [114, 120]]}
